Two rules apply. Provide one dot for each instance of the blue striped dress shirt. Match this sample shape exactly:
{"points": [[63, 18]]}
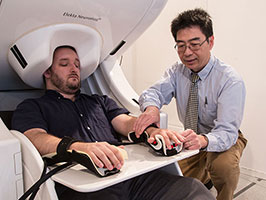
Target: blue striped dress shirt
{"points": [[221, 93]]}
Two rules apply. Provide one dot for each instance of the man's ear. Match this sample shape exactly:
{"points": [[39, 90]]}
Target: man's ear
{"points": [[211, 41], [47, 73]]}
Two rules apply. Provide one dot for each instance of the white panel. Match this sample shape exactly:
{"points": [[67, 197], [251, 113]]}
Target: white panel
{"points": [[11, 164], [32, 164], [119, 86]]}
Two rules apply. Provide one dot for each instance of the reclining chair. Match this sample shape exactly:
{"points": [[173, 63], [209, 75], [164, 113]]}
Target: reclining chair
{"points": [[100, 30]]}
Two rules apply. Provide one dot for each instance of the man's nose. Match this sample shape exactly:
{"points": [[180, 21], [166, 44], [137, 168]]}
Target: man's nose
{"points": [[74, 68]]}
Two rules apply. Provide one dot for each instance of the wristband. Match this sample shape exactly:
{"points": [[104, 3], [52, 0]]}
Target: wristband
{"points": [[64, 144]]}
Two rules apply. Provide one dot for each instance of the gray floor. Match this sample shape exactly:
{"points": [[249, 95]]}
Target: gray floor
{"points": [[251, 186]]}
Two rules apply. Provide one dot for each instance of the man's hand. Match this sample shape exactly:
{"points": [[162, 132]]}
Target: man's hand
{"points": [[193, 140], [151, 115], [168, 136], [102, 153]]}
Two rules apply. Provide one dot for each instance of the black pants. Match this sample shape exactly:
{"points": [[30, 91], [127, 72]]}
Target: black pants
{"points": [[151, 186]]}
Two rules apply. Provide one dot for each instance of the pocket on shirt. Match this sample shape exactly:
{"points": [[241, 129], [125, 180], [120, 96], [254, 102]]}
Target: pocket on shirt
{"points": [[208, 113]]}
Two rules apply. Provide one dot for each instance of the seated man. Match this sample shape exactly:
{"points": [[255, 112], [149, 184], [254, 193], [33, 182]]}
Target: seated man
{"points": [[97, 121]]}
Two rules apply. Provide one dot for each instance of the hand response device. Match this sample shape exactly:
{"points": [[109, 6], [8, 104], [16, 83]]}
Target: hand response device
{"points": [[68, 158], [78, 157], [158, 145]]}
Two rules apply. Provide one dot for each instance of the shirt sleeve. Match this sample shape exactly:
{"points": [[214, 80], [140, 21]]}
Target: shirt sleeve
{"points": [[111, 108], [27, 116], [230, 110], [161, 93]]}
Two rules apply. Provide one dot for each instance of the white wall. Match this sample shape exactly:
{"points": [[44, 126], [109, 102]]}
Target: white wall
{"points": [[239, 30]]}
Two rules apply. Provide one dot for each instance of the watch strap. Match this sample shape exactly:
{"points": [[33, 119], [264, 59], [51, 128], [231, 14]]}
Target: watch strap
{"points": [[64, 144]]}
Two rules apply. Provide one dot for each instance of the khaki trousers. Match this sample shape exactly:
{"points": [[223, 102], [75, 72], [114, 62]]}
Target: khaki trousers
{"points": [[221, 167]]}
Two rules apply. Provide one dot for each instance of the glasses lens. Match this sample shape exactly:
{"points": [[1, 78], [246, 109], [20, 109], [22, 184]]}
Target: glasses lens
{"points": [[194, 46], [181, 47]]}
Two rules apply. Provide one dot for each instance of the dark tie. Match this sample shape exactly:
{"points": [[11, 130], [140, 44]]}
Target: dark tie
{"points": [[191, 119]]}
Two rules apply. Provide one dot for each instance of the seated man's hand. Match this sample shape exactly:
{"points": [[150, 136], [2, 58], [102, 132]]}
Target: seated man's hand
{"points": [[102, 153], [151, 115], [168, 136]]}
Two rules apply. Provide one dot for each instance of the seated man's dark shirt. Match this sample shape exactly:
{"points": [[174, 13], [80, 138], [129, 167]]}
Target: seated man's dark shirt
{"points": [[88, 118]]}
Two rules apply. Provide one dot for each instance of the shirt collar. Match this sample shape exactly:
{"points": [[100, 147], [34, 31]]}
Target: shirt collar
{"points": [[54, 93], [205, 71]]}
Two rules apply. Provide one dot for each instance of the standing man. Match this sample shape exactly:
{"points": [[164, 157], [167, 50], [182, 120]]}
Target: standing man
{"points": [[210, 97], [63, 115]]}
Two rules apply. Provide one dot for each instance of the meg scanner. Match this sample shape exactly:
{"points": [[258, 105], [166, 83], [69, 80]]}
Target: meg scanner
{"points": [[100, 30]]}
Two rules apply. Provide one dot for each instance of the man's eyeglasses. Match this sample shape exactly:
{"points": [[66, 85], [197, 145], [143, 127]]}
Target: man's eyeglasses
{"points": [[193, 46]]}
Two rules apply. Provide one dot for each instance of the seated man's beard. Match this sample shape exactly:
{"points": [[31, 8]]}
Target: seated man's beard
{"points": [[65, 86], [73, 86]]}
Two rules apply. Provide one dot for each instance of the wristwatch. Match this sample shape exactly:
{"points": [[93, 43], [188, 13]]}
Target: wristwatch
{"points": [[207, 140]]}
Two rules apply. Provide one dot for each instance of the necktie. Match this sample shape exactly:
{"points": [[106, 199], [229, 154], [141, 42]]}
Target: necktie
{"points": [[191, 119]]}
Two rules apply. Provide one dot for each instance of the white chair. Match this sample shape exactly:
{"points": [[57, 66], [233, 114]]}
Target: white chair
{"points": [[33, 167]]}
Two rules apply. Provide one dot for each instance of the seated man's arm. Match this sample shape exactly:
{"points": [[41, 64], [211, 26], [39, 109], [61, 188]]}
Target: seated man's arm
{"points": [[44, 142], [124, 124], [102, 153]]}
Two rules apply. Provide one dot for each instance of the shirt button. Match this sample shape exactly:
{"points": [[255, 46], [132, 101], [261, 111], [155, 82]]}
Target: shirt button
{"points": [[88, 128], [81, 114]]}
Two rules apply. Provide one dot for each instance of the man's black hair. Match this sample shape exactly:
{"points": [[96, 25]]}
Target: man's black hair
{"points": [[189, 18]]}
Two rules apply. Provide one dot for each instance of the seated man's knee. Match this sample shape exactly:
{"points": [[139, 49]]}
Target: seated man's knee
{"points": [[198, 190]]}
